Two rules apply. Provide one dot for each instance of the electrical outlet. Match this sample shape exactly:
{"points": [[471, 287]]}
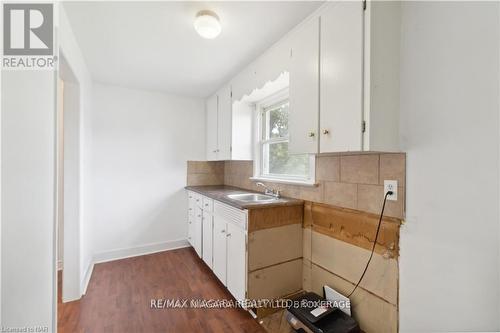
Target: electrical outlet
{"points": [[391, 185]]}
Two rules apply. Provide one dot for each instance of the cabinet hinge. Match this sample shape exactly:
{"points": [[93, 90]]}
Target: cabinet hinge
{"points": [[363, 126], [364, 4]]}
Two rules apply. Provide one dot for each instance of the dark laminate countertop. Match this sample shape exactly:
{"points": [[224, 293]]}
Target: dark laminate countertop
{"points": [[221, 192]]}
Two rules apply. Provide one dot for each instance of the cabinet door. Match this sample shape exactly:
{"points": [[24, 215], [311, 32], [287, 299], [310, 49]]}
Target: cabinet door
{"points": [[304, 89], [219, 248], [198, 218], [224, 122], [341, 77], [211, 122], [191, 203], [207, 238], [236, 261]]}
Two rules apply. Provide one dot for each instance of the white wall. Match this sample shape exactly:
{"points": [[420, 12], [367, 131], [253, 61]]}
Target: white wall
{"points": [[28, 201], [449, 278], [141, 142]]}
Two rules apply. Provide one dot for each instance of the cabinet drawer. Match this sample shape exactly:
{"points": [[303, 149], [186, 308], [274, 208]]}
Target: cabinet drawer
{"points": [[231, 214], [198, 199], [208, 204]]}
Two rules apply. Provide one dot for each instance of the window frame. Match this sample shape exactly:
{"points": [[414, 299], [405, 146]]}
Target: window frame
{"points": [[259, 143]]}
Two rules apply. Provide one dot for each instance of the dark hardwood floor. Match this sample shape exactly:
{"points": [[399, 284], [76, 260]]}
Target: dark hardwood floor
{"points": [[119, 296]]}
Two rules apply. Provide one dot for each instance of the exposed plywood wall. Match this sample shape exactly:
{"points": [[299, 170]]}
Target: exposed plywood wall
{"points": [[336, 246]]}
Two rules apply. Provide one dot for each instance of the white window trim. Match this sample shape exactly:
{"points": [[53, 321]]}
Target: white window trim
{"points": [[310, 180]]}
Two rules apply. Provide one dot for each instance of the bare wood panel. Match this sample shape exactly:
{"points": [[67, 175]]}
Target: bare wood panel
{"points": [[308, 219], [354, 227], [372, 312], [267, 247], [265, 218], [348, 261], [275, 281]]}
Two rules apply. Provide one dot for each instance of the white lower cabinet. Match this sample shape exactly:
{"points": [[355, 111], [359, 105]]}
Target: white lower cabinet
{"points": [[220, 249], [218, 233], [207, 232], [236, 263], [197, 234]]}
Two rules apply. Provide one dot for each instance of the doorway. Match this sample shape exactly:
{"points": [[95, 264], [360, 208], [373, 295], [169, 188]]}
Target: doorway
{"points": [[68, 184]]}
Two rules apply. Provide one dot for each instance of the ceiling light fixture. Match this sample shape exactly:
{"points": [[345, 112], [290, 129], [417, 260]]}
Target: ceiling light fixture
{"points": [[207, 24]]}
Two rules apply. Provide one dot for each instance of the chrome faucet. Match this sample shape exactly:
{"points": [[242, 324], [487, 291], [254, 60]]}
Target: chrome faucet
{"points": [[269, 191]]}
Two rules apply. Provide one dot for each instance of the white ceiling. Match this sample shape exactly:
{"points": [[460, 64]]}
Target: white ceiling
{"points": [[153, 45]]}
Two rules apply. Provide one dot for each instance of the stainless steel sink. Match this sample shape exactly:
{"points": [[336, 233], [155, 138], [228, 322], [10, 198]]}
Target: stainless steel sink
{"points": [[251, 197]]}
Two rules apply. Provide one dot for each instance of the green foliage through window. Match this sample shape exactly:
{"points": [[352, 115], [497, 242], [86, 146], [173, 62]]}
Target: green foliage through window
{"points": [[275, 157]]}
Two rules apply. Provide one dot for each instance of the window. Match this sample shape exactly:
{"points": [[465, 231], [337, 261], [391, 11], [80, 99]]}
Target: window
{"points": [[274, 162]]}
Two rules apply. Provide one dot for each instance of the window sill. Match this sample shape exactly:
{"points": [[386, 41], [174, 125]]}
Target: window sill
{"points": [[284, 181]]}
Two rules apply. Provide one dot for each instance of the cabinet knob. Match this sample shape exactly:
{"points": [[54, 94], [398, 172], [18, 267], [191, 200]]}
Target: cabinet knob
{"points": [[312, 134], [325, 132], [206, 205], [190, 222], [228, 235], [223, 231]]}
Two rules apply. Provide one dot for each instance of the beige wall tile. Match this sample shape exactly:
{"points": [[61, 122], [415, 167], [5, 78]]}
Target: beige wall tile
{"points": [[205, 167], [341, 194], [310, 193], [360, 169], [348, 261], [373, 314], [328, 168], [370, 199], [239, 167], [198, 179], [393, 167]]}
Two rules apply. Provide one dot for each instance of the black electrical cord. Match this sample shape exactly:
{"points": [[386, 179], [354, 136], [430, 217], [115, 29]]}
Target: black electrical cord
{"points": [[374, 243]]}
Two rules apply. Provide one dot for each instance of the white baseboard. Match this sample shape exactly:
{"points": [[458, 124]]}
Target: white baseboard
{"points": [[139, 250], [86, 278]]}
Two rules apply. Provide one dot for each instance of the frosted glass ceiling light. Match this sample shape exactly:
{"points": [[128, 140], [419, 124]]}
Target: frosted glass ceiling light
{"points": [[207, 24]]}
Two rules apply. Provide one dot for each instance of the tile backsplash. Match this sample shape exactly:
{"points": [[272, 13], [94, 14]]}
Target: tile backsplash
{"points": [[353, 181], [205, 173]]}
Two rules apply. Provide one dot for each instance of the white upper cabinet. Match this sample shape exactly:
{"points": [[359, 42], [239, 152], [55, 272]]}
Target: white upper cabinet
{"points": [[304, 89], [341, 78], [343, 63], [381, 75], [224, 123], [218, 108], [211, 128]]}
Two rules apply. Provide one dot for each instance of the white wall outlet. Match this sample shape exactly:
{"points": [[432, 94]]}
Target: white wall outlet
{"points": [[391, 185]]}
